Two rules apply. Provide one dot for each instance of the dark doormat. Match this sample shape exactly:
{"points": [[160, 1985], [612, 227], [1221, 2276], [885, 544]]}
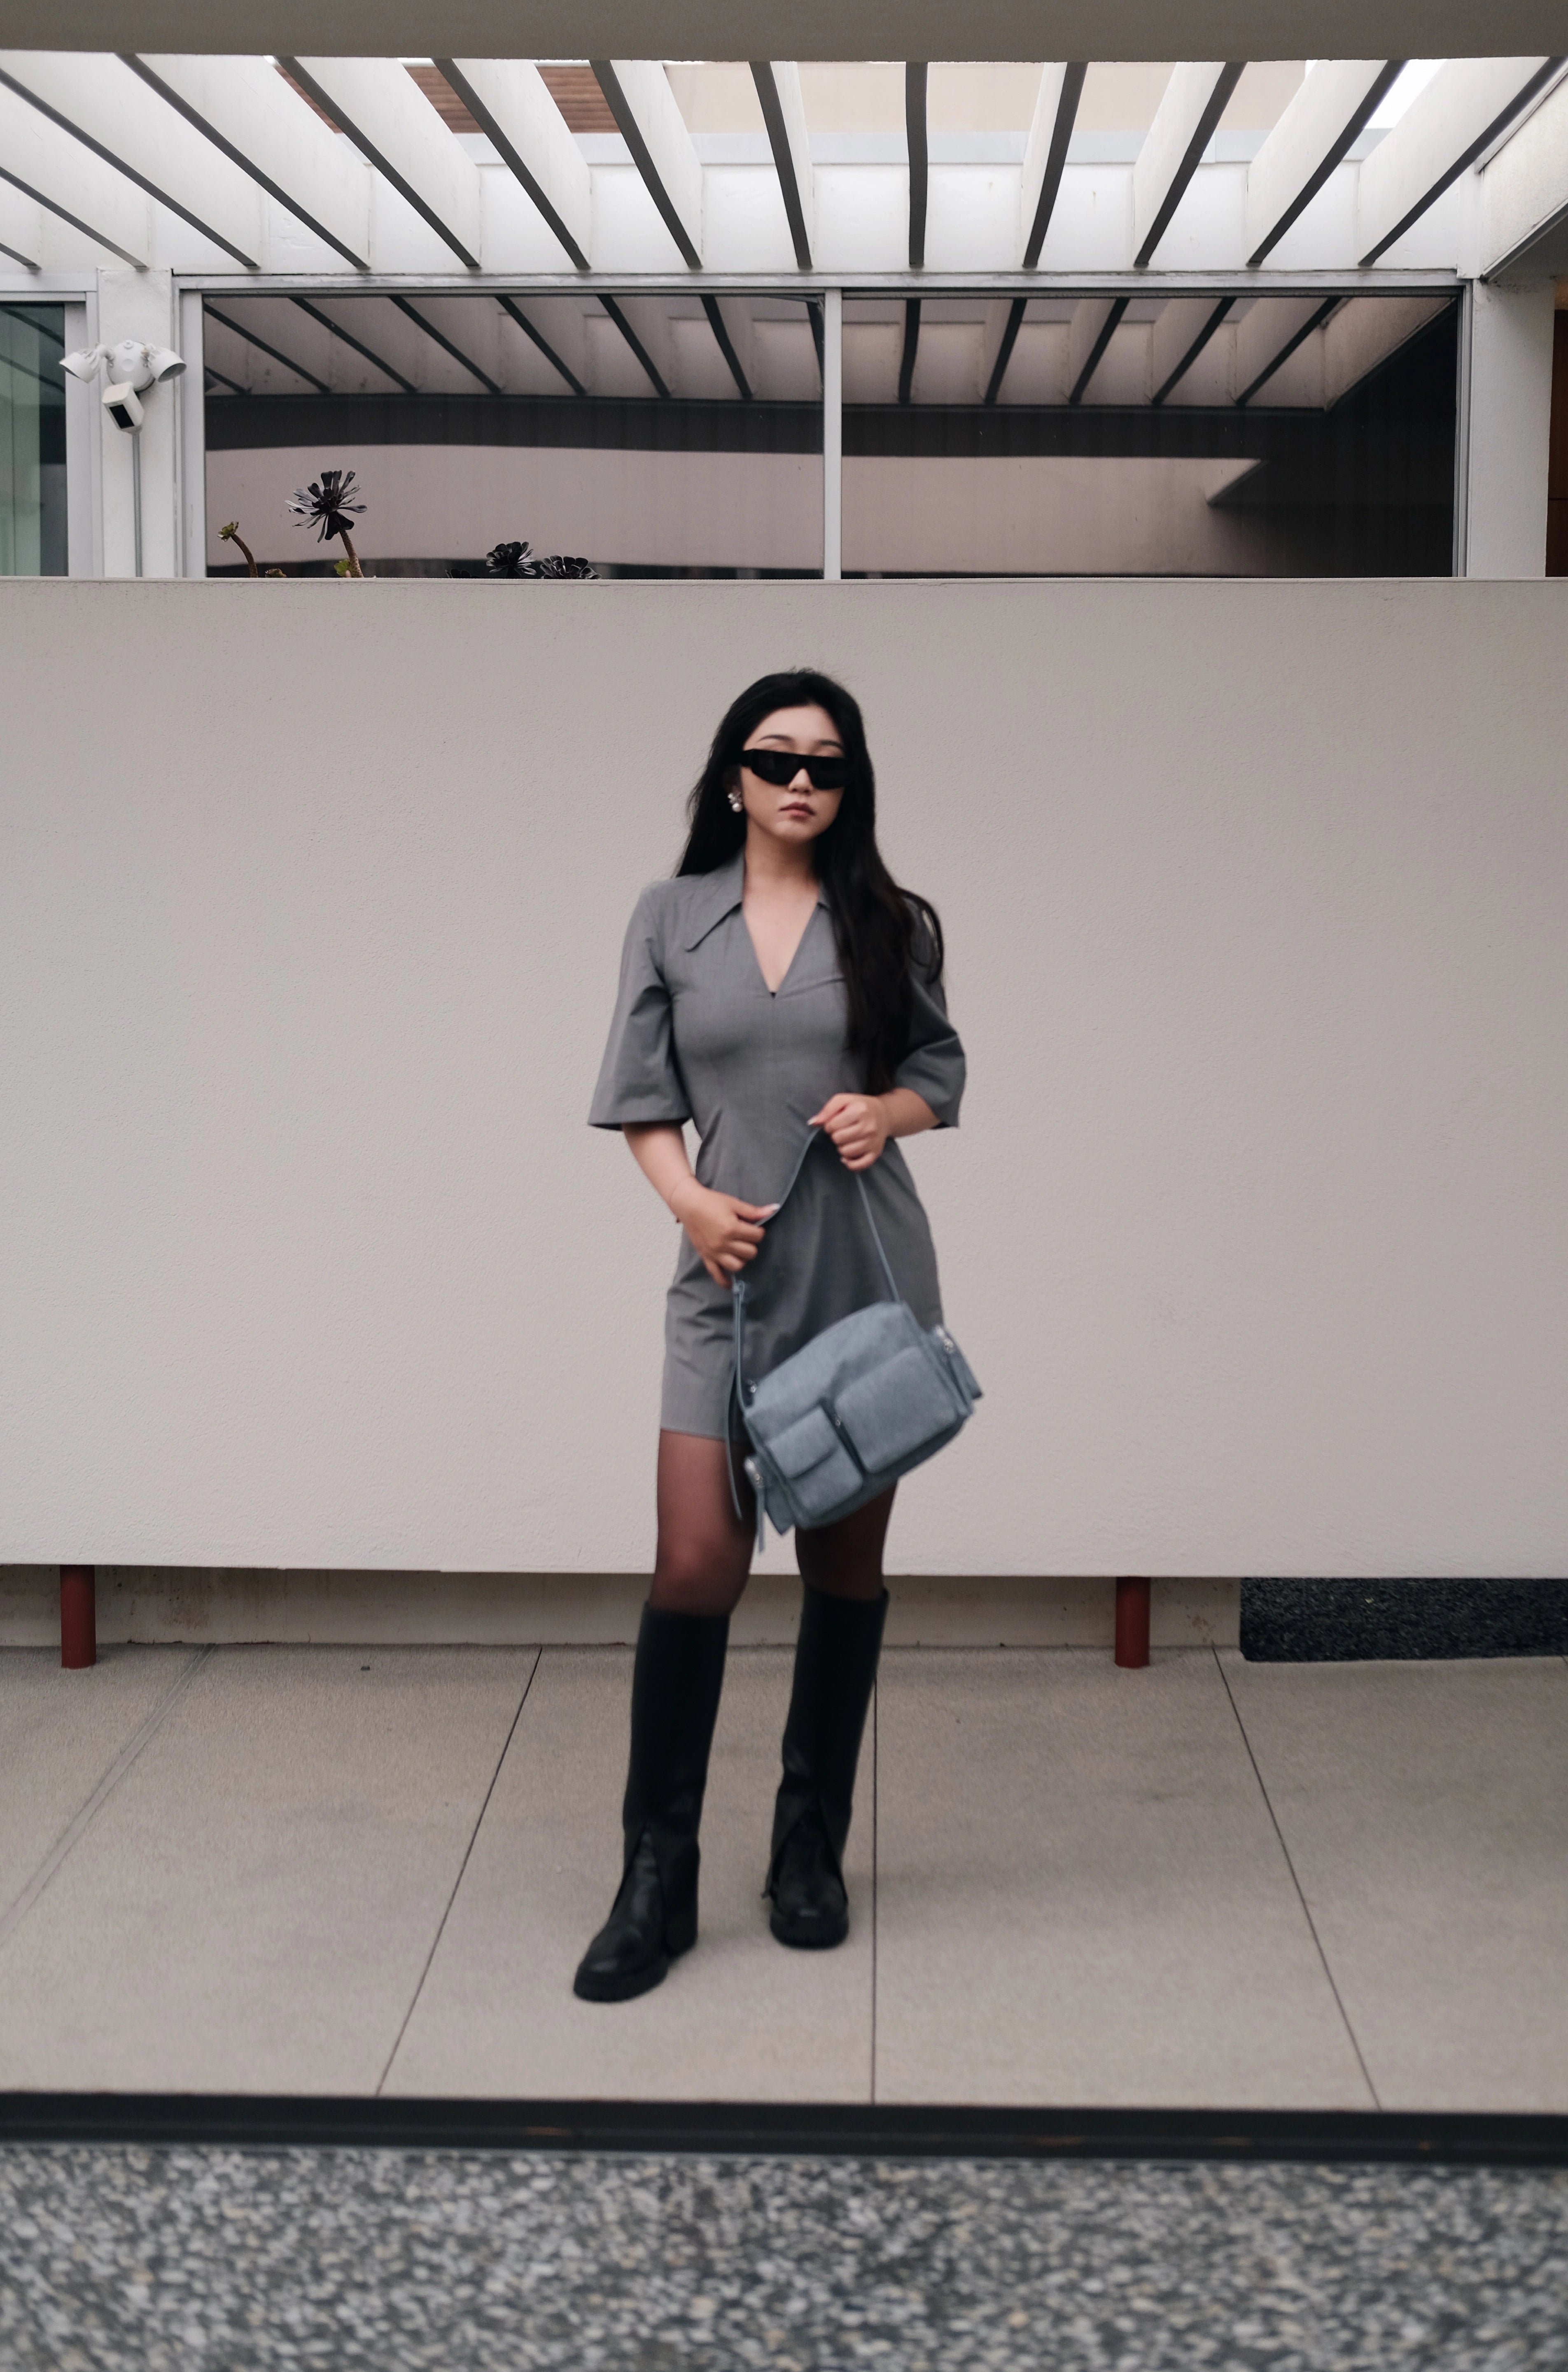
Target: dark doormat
{"points": [[782, 2129], [1354, 1621]]}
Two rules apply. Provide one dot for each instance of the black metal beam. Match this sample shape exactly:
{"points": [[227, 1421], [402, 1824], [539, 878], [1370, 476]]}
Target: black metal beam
{"points": [[920, 160], [727, 346], [1191, 157], [367, 353], [1314, 321], [121, 165], [634, 342], [1392, 69], [247, 165], [1546, 72], [1116, 308], [912, 347], [251, 339], [374, 155], [1004, 351], [52, 206], [1217, 315], [784, 159], [509, 305], [1056, 158], [439, 338], [448, 70], [626, 115]]}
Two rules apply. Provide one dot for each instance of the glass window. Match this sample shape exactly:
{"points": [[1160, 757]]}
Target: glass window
{"points": [[648, 436], [1207, 435], [32, 440]]}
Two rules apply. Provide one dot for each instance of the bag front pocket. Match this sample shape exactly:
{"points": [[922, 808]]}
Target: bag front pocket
{"points": [[896, 1410], [816, 1466]]}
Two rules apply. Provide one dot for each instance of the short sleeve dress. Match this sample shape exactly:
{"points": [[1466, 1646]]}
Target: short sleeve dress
{"points": [[698, 1035]]}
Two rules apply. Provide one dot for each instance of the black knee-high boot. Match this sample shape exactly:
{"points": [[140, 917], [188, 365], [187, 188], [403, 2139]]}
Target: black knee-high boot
{"points": [[835, 1667], [675, 1701]]}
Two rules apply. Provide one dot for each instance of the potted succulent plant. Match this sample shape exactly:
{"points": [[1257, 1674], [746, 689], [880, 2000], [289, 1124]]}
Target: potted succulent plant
{"points": [[519, 560], [230, 534], [327, 504]]}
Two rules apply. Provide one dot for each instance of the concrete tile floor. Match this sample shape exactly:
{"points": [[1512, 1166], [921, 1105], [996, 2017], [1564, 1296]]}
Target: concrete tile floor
{"points": [[339, 1869]]}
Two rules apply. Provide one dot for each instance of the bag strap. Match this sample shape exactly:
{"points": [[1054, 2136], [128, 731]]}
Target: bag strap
{"points": [[738, 1290]]}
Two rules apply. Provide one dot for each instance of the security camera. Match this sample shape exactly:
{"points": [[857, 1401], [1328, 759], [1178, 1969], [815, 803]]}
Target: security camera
{"points": [[130, 364], [123, 408]]}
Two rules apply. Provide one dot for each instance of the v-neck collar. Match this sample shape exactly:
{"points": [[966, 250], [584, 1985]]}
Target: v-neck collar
{"points": [[719, 895]]}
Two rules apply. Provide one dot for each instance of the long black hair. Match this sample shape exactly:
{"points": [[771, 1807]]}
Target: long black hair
{"points": [[881, 930]]}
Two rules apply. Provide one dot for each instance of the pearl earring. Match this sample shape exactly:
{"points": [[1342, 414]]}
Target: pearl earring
{"points": [[737, 803]]}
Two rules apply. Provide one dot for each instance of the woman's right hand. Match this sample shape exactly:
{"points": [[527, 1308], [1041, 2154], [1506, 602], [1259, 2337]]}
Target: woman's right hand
{"points": [[724, 1231]]}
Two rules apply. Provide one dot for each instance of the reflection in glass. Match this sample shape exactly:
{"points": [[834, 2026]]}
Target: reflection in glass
{"points": [[652, 436], [1190, 435], [32, 440]]}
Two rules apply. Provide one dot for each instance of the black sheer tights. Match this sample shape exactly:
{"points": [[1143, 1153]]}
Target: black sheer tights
{"points": [[704, 1550]]}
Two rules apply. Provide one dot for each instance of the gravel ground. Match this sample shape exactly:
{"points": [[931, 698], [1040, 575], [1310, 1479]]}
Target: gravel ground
{"points": [[166, 2260]]}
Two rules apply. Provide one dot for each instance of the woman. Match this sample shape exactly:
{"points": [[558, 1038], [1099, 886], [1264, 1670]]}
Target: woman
{"points": [[781, 983]]}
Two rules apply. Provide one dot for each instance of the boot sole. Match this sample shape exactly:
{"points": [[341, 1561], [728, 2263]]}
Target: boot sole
{"points": [[626, 1988], [816, 1940], [640, 1980]]}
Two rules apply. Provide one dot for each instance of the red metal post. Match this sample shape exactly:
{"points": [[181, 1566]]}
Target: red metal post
{"points": [[78, 1617], [1132, 1621]]}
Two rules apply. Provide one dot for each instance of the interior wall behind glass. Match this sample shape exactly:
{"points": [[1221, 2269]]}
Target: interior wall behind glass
{"points": [[1206, 436], [642, 435], [33, 441]]}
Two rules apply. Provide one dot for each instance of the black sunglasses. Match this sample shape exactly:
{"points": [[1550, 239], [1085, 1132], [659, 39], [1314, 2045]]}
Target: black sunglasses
{"points": [[781, 766]]}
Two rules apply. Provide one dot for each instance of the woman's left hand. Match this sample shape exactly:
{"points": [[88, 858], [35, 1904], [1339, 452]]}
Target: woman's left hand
{"points": [[858, 1126]]}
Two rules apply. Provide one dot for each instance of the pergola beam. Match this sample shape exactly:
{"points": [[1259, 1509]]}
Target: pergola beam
{"points": [[910, 351], [247, 111], [919, 145], [366, 353], [395, 127], [1266, 341], [96, 101], [1184, 328], [1459, 115], [509, 101], [784, 113], [514, 312], [1045, 158], [21, 227], [720, 329], [1195, 99], [1005, 346], [655, 377], [1095, 323], [1333, 107], [274, 354], [439, 337], [639, 97], [1525, 194], [46, 168]]}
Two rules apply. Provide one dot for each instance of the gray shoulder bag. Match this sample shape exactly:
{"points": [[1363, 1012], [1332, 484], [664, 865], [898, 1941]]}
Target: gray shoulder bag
{"points": [[860, 1404]]}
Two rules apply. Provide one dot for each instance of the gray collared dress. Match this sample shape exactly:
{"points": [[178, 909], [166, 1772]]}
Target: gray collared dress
{"points": [[698, 1035]]}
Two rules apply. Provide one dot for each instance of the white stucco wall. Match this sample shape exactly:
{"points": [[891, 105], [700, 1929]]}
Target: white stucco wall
{"points": [[311, 899]]}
